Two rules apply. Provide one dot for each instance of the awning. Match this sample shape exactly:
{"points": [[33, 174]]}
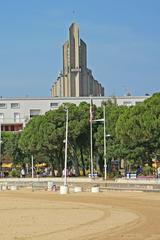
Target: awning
{"points": [[6, 165], [40, 165]]}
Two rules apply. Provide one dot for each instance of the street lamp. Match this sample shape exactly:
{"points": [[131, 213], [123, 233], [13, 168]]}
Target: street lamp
{"points": [[104, 136], [104, 131], [32, 164], [64, 188], [91, 140], [0, 151], [66, 145]]}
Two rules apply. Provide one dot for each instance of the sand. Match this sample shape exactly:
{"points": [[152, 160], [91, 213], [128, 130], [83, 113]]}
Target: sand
{"points": [[42, 215]]}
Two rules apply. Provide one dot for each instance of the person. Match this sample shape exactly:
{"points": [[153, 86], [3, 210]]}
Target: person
{"points": [[72, 172], [22, 173], [63, 173]]}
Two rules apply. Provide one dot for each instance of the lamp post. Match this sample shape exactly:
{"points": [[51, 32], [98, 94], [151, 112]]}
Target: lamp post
{"points": [[105, 161], [32, 166], [0, 151], [66, 145], [91, 140], [64, 188], [104, 137]]}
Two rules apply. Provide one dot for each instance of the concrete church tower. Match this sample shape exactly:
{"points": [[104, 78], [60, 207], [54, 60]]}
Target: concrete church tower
{"points": [[76, 79]]}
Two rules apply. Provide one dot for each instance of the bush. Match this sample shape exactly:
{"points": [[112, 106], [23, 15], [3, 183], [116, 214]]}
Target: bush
{"points": [[15, 173], [114, 174], [147, 170]]}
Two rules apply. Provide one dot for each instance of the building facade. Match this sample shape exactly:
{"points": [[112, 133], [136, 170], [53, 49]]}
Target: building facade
{"points": [[75, 79], [16, 112]]}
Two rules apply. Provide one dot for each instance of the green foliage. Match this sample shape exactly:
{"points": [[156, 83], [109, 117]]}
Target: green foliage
{"points": [[12, 149], [134, 136], [46, 134], [6, 136], [114, 148], [138, 130], [147, 170], [15, 173]]}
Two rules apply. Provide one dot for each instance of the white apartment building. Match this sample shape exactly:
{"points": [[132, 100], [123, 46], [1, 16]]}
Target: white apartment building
{"points": [[16, 112]]}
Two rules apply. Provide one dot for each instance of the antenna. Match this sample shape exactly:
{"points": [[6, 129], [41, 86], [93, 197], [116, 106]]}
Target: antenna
{"points": [[127, 91], [74, 15]]}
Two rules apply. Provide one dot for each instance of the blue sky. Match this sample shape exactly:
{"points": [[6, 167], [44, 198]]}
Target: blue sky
{"points": [[123, 39]]}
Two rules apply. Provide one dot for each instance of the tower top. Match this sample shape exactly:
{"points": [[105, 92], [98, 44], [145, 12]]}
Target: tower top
{"points": [[74, 24]]}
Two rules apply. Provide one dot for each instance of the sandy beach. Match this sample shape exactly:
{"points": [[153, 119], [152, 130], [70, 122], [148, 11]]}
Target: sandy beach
{"points": [[42, 215]]}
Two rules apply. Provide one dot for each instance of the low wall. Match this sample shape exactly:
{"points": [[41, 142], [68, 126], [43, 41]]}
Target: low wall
{"points": [[86, 183], [135, 184], [42, 182]]}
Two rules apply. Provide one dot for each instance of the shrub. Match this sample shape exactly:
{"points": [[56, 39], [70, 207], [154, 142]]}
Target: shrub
{"points": [[15, 173], [147, 170]]}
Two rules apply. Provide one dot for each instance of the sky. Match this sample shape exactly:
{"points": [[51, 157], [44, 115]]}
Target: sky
{"points": [[122, 36]]}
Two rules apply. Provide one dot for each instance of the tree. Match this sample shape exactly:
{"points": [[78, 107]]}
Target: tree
{"points": [[12, 149], [4, 138], [138, 130], [79, 134], [45, 135]]}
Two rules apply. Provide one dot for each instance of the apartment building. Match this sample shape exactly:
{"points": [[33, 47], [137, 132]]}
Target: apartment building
{"points": [[16, 112]]}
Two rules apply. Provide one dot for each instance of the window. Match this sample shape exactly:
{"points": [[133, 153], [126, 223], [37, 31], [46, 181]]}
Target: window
{"points": [[53, 104], [138, 103], [127, 103], [12, 128], [6, 128], [3, 105], [34, 112], [15, 105], [16, 117], [1, 117]]}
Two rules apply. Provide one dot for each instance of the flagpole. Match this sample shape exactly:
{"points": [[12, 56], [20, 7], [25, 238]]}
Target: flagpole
{"points": [[91, 139]]}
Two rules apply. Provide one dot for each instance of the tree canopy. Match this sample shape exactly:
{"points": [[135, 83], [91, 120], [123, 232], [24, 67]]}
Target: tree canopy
{"points": [[133, 135]]}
